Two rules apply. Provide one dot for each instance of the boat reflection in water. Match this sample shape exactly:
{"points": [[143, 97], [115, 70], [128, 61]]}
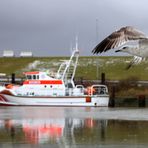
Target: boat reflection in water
{"points": [[56, 131], [73, 127]]}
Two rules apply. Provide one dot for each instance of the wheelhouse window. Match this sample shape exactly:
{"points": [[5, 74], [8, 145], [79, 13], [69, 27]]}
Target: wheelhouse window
{"points": [[34, 77], [29, 77], [37, 77]]}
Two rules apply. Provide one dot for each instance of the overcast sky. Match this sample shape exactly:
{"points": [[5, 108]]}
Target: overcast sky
{"points": [[49, 27]]}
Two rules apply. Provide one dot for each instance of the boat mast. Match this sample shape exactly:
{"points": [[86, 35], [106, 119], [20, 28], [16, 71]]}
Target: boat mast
{"points": [[67, 69]]}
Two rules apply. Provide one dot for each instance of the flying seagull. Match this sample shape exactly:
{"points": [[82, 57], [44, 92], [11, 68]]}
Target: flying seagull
{"points": [[118, 38]]}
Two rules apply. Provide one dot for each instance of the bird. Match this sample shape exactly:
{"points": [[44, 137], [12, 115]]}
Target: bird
{"points": [[119, 38]]}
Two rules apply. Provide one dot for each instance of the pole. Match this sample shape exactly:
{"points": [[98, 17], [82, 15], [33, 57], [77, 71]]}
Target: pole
{"points": [[13, 78]]}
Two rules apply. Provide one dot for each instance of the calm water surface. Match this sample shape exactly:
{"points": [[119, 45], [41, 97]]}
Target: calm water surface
{"points": [[72, 127]]}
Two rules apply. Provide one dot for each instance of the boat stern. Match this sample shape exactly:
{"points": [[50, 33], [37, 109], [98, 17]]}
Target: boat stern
{"points": [[101, 100]]}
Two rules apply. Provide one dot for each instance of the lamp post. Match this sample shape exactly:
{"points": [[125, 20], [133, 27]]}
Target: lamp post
{"points": [[97, 69]]}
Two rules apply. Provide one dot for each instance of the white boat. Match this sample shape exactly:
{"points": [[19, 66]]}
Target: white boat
{"points": [[42, 89]]}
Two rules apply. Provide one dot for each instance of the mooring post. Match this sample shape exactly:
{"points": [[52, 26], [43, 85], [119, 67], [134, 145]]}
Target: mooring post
{"points": [[81, 80], [141, 101], [13, 78], [112, 97], [102, 78]]}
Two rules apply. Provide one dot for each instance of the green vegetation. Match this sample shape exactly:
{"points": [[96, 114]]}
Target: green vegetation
{"points": [[113, 67], [17, 65], [88, 67]]}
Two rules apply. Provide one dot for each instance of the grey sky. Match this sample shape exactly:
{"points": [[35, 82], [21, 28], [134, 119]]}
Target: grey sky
{"points": [[49, 27]]}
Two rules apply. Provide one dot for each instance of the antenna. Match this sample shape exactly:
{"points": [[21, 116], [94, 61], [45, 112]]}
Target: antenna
{"points": [[77, 43], [96, 30], [71, 48]]}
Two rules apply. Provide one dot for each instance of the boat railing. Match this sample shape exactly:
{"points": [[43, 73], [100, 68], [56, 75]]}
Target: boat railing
{"points": [[78, 90], [93, 90], [98, 90]]}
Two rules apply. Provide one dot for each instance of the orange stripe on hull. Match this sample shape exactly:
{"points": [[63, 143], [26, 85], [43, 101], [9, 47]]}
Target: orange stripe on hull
{"points": [[31, 73], [43, 82]]}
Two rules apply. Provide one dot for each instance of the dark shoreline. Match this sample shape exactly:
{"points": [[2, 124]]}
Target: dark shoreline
{"points": [[128, 102]]}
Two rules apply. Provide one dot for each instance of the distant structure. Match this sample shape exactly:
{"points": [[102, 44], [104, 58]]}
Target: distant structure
{"points": [[2, 74], [26, 54], [8, 53]]}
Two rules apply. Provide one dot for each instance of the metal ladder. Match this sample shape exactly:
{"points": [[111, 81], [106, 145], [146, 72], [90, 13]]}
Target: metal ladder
{"points": [[67, 69]]}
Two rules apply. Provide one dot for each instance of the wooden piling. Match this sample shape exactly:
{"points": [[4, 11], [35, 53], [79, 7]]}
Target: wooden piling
{"points": [[81, 80], [13, 78], [112, 97], [141, 101], [102, 78]]}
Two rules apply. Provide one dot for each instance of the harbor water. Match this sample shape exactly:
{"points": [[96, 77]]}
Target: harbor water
{"points": [[72, 127]]}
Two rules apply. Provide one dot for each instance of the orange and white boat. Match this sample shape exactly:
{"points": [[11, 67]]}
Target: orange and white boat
{"points": [[42, 89]]}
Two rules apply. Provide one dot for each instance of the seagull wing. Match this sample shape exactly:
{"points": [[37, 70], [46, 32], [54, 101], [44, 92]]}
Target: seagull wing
{"points": [[143, 43], [132, 33], [112, 41], [118, 38]]}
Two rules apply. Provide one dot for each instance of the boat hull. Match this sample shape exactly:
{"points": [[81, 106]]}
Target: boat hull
{"points": [[12, 100]]}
